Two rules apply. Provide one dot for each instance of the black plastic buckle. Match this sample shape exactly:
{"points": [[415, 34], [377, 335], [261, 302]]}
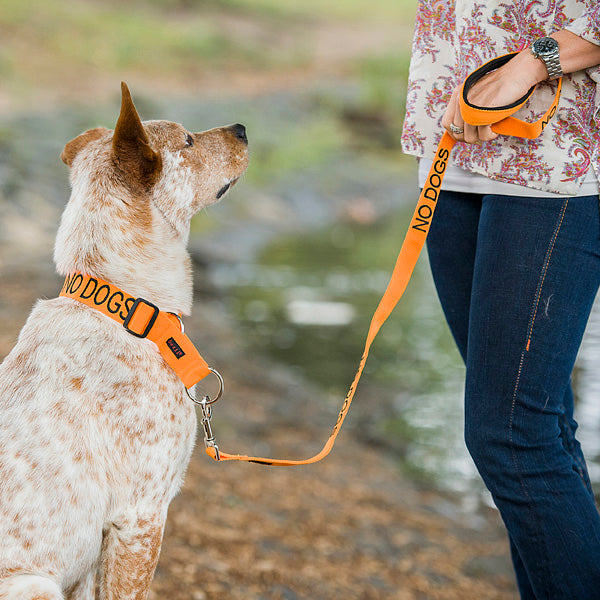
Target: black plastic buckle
{"points": [[131, 313]]}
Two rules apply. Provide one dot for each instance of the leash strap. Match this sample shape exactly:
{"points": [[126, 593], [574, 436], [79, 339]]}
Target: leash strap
{"points": [[141, 319], [405, 264], [418, 229]]}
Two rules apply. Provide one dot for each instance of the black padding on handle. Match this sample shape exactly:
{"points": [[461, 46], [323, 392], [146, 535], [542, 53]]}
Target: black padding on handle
{"points": [[488, 67]]}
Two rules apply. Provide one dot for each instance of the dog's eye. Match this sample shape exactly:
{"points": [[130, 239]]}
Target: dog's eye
{"points": [[189, 140]]}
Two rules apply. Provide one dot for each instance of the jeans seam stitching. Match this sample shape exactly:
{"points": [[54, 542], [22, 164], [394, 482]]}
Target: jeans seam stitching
{"points": [[536, 300], [545, 266], [535, 306]]}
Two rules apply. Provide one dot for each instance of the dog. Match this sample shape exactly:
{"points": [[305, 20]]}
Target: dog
{"points": [[96, 430]]}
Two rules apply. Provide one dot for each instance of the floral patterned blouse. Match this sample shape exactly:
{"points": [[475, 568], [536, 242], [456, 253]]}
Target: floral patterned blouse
{"points": [[454, 37]]}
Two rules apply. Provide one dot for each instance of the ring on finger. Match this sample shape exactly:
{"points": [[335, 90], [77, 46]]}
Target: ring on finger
{"points": [[456, 130]]}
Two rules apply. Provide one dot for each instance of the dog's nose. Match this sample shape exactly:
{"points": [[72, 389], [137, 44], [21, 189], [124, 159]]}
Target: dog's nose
{"points": [[240, 132]]}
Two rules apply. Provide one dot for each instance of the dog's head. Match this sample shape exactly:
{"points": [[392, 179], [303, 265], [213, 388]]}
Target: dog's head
{"points": [[180, 171], [135, 190]]}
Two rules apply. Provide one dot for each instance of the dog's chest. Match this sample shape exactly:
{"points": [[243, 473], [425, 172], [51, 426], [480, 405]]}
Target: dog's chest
{"points": [[93, 426], [83, 402]]}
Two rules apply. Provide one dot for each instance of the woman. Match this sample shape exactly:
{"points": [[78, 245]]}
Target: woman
{"points": [[515, 253]]}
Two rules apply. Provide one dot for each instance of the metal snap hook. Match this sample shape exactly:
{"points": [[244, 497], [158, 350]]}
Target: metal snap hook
{"points": [[209, 437]]}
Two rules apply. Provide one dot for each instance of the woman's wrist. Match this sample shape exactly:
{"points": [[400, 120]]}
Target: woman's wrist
{"points": [[531, 69], [575, 54]]}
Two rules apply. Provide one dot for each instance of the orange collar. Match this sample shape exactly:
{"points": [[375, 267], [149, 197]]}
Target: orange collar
{"points": [[142, 319]]}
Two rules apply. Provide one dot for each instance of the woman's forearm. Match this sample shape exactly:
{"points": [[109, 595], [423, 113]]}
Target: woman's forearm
{"points": [[576, 53]]}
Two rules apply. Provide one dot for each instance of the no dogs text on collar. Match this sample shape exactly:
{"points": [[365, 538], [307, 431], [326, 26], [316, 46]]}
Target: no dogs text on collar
{"points": [[143, 319]]}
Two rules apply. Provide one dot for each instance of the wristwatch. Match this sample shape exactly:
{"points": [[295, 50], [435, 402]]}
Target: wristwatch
{"points": [[546, 49]]}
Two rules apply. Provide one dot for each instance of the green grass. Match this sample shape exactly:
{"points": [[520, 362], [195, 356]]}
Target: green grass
{"points": [[59, 43], [296, 147], [45, 41], [346, 10], [340, 9], [114, 36], [373, 248], [384, 80]]}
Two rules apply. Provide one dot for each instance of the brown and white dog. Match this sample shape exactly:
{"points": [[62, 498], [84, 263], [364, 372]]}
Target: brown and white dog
{"points": [[96, 431]]}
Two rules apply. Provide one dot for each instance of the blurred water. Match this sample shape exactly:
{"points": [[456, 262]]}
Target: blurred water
{"points": [[410, 400], [411, 395], [587, 385]]}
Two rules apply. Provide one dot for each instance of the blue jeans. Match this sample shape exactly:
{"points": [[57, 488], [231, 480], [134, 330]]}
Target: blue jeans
{"points": [[517, 278]]}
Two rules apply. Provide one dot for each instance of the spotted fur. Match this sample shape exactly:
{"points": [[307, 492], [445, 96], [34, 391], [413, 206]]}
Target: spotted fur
{"points": [[96, 431]]}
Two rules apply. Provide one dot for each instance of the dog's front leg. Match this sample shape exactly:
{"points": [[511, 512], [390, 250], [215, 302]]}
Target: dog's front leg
{"points": [[84, 589], [130, 550]]}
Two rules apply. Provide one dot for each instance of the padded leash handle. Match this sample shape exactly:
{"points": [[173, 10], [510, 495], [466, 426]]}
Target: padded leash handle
{"points": [[500, 117]]}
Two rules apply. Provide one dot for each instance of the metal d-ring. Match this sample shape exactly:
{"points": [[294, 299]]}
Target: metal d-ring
{"points": [[207, 401], [178, 317]]}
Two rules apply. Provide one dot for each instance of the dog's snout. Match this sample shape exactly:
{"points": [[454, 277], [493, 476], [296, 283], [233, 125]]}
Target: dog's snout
{"points": [[240, 132]]}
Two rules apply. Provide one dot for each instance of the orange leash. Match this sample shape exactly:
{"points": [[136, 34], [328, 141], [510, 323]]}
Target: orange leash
{"points": [[145, 320], [418, 229], [405, 264]]}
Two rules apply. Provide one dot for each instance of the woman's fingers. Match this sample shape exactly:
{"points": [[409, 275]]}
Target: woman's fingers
{"points": [[471, 135], [486, 134], [453, 122]]}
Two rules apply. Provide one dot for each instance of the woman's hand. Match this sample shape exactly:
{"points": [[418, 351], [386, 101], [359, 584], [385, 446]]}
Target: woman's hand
{"points": [[511, 81], [498, 88]]}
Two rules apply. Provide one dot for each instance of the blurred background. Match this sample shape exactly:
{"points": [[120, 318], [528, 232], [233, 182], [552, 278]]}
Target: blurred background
{"points": [[288, 271]]}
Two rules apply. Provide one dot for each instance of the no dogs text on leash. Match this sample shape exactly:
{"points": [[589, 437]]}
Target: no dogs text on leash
{"points": [[143, 319]]}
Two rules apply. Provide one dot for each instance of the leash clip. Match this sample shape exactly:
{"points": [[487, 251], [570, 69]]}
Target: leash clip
{"points": [[209, 438], [205, 406]]}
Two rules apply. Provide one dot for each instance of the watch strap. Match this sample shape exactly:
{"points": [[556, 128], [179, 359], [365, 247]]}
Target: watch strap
{"points": [[550, 59]]}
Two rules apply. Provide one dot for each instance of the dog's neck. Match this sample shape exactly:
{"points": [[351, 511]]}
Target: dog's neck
{"points": [[127, 241]]}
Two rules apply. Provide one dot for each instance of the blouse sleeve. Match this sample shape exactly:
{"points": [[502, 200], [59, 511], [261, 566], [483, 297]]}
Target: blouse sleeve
{"points": [[587, 25]]}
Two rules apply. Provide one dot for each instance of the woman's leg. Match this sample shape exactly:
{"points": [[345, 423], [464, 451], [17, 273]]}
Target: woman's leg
{"points": [[568, 427], [536, 273], [451, 248]]}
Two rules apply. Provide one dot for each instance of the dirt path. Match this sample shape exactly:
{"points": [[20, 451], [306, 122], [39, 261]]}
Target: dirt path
{"points": [[350, 528]]}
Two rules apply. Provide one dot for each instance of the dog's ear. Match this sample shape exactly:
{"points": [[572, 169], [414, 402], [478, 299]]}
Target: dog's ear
{"points": [[131, 145], [74, 147]]}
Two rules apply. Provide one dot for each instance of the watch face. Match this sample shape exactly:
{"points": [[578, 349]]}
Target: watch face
{"points": [[545, 45]]}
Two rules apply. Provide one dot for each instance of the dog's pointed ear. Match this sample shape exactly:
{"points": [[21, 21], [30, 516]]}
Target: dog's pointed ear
{"points": [[131, 145], [74, 147]]}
